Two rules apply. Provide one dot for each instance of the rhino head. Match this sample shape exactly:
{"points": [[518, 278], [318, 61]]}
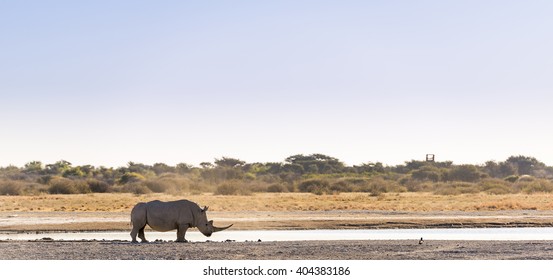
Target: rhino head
{"points": [[206, 227]]}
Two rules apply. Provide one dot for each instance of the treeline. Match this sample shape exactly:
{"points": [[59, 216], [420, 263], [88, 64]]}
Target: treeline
{"points": [[316, 173]]}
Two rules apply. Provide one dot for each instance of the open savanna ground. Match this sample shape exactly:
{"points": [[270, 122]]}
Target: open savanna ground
{"points": [[110, 211], [413, 202], [281, 250]]}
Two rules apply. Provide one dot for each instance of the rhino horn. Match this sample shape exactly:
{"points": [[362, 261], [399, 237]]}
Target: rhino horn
{"points": [[216, 229]]}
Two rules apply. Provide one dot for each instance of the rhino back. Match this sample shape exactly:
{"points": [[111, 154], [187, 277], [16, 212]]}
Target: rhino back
{"points": [[165, 216]]}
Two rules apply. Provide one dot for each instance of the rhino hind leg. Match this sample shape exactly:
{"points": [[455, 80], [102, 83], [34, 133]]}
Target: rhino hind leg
{"points": [[134, 232], [181, 231], [141, 234], [138, 220]]}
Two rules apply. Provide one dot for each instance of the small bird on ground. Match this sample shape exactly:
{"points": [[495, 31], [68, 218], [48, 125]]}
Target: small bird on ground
{"points": [[421, 241]]}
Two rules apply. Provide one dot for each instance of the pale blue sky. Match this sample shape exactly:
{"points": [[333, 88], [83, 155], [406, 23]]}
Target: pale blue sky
{"points": [[107, 82]]}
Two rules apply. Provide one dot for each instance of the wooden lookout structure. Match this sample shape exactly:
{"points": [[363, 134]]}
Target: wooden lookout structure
{"points": [[429, 157]]}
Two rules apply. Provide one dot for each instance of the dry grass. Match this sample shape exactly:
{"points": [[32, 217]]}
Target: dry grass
{"points": [[416, 202], [287, 210]]}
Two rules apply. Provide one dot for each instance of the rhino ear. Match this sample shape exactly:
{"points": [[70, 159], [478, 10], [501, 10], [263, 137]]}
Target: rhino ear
{"points": [[205, 209]]}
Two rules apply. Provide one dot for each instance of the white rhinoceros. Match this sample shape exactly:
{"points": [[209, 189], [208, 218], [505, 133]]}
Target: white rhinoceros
{"points": [[166, 216]]}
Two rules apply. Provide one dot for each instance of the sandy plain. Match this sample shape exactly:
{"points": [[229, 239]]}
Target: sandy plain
{"points": [[283, 250], [23, 219], [339, 249]]}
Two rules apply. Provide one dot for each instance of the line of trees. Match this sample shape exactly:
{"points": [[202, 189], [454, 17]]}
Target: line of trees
{"points": [[316, 173]]}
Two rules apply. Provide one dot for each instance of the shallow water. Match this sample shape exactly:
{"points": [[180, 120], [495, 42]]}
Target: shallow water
{"points": [[299, 235]]}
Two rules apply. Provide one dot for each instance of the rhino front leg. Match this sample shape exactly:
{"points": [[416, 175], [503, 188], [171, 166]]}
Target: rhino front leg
{"points": [[181, 231]]}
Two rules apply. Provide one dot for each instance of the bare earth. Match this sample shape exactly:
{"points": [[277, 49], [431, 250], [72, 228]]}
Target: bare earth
{"points": [[254, 220], [282, 250]]}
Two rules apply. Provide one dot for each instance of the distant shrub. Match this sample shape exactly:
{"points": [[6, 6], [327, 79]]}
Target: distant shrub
{"points": [[341, 186], [455, 188], [135, 188], [45, 180], [61, 186], [349, 185], [227, 189], [499, 190], [159, 186], [11, 187], [130, 177], [254, 186], [465, 173], [496, 186], [98, 186], [526, 178], [231, 188], [418, 186], [73, 173], [379, 185], [17, 176], [511, 178], [535, 186], [427, 172], [316, 186], [67, 186], [277, 188], [171, 183], [81, 186], [199, 187], [249, 176]]}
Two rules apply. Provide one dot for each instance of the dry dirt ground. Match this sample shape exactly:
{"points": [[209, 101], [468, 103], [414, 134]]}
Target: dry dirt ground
{"points": [[284, 250], [254, 220]]}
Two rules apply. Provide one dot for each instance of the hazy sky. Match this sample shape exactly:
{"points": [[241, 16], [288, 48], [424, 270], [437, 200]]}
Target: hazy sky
{"points": [[108, 82]]}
